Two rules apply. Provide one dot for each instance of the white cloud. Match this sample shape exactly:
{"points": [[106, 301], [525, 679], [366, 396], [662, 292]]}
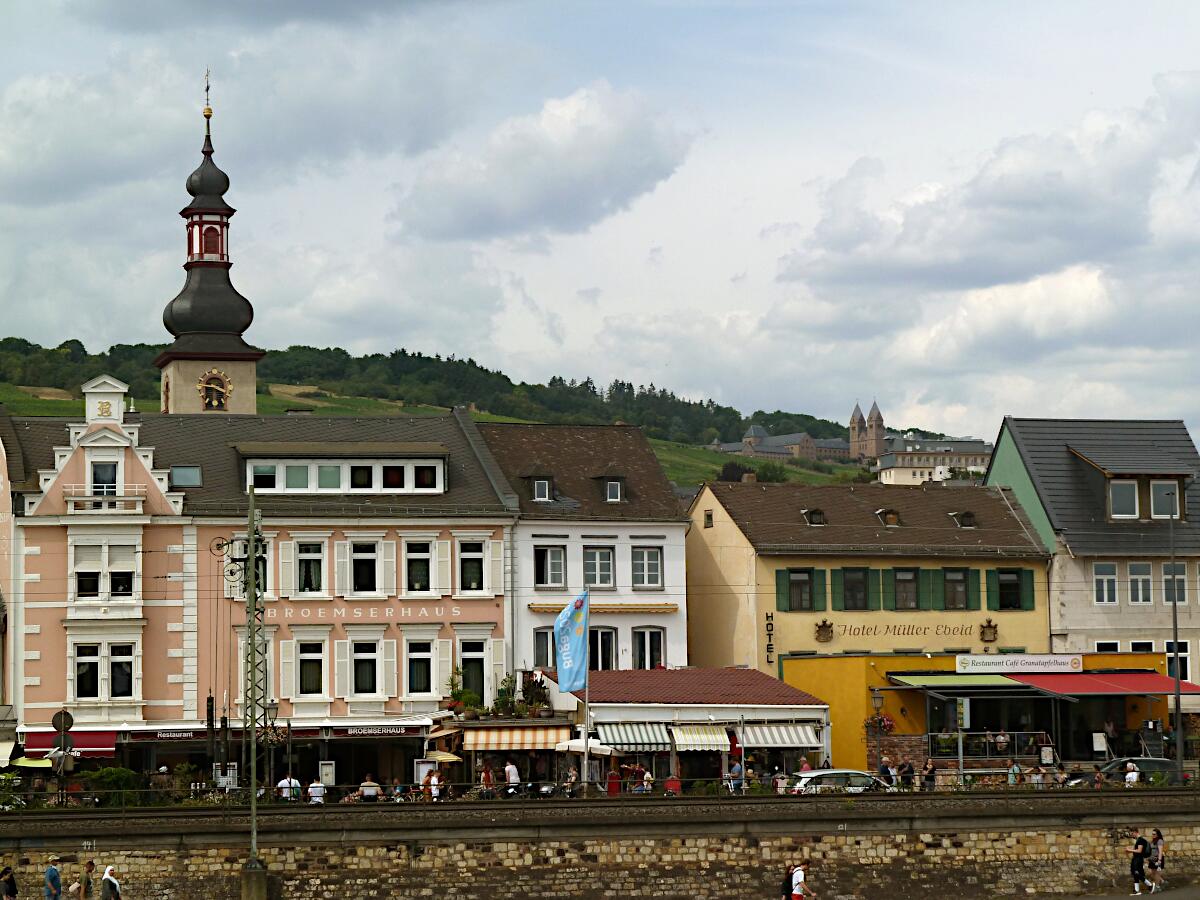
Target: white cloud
{"points": [[581, 159]]}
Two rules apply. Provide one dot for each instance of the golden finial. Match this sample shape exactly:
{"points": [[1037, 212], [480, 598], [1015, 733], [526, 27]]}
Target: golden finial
{"points": [[207, 106]]}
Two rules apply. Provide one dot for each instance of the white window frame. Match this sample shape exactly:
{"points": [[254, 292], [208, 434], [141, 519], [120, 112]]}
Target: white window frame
{"points": [[430, 656], [562, 561], [1175, 498], [1147, 648], [104, 571], [541, 490], [1105, 586], [642, 635], [1102, 646], [1136, 499], [600, 631], [105, 456], [1184, 659], [301, 657], [433, 587], [315, 465], [88, 659], [1180, 579], [1144, 583], [551, 657], [354, 693], [611, 584], [613, 492], [240, 546], [104, 661], [112, 659], [377, 591], [482, 656], [323, 543], [646, 552], [484, 588]]}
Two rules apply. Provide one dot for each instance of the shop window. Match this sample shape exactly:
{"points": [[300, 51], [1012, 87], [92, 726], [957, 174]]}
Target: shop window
{"points": [[549, 567], [471, 664], [648, 648], [366, 667], [310, 566], [906, 589], [956, 588], [854, 589], [364, 557], [417, 566], [87, 671], [312, 668], [543, 648], [647, 568], [1169, 649], [1104, 582], [1009, 584], [598, 567], [1140, 582], [420, 667], [470, 566], [602, 649], [1174, 582]]}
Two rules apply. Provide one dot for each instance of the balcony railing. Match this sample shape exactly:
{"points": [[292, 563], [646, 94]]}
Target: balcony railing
{"points": [[100, 499], [989, 745]]}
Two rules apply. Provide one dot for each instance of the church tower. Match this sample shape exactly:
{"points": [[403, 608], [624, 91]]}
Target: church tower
{"points": [[858, 436], [209, 368], [875, 432]]}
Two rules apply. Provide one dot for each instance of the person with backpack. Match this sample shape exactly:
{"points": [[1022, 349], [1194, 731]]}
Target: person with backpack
{"points": [[1157, 861], [1139, 853]]}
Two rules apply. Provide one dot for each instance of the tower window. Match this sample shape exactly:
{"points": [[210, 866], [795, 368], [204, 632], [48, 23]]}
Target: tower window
{"points": [[216, 392], [212, 242]]}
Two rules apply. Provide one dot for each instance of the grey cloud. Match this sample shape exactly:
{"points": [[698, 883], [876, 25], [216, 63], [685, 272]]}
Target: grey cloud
{"points": [[581, 159], [589, 295], [155, 15]]}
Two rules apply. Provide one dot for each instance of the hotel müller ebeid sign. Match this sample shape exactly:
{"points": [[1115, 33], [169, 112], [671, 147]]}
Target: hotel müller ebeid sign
{"points": [[999, 663]]}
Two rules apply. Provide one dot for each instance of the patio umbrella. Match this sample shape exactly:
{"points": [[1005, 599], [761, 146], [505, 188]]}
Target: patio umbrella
{"points": [[575, 745], [442, 756], [26, 763]]}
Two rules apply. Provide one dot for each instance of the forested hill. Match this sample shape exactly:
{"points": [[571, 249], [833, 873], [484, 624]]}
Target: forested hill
{"points": [[419, 379]]}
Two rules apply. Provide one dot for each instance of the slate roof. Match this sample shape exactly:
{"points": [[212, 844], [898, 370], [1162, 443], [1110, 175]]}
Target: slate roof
{"points": [[896, 443], [578, 458], [771, 516], [474, 485], [695, 687], [1072, 489]]}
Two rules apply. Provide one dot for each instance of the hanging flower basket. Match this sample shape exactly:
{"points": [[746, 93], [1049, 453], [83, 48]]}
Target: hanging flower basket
{"points": [[882, 723]]}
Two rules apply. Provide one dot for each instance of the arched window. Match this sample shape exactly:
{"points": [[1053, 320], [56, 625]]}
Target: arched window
{"points": [[212, 241], [216, 392]]}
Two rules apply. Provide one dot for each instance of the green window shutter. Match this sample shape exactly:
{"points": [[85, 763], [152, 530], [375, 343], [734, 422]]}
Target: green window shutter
{"points": [[783, 590], [1027, 589], [889, 588], [835, 577], [993, 589], [973, 589], [937, 583], [873, 589], [925, 588], [818, 586]]}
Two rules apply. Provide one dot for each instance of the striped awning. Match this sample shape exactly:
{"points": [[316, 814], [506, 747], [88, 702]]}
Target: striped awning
{"points": [[635, 737], [543, 737], [780, 736], [700, 737]]}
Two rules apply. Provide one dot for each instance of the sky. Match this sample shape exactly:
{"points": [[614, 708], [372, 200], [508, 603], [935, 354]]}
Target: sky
{"points": [[960, 210]]}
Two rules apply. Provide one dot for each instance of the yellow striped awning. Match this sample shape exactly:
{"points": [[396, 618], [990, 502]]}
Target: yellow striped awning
{"points": [[780, 735], [700, 737], [635, 737], [537, 737]]}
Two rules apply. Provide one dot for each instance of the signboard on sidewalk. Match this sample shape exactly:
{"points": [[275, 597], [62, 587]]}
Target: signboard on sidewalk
{"points": [[1002, 663]]}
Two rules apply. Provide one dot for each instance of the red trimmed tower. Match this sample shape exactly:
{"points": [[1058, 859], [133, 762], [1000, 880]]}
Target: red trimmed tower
{"points": [[209, 368]]}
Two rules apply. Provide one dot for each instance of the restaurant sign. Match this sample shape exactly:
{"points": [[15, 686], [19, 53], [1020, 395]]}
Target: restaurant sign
{"points": [[999, 663], [379, 731]]}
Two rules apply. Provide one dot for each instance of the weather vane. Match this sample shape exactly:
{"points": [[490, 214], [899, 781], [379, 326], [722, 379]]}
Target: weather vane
{"points": [[207, 106]]}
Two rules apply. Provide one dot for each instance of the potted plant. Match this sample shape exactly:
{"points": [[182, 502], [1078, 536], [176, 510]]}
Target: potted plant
{"points": [[505, 696], [535, 708], [471, 702]]}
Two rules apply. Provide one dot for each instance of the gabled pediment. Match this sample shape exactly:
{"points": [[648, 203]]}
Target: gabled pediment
{"points": [[105, 437], [105, 384]]}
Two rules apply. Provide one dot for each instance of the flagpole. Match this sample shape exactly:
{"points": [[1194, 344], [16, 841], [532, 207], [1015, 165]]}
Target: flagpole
{"points": [[587, 709]]}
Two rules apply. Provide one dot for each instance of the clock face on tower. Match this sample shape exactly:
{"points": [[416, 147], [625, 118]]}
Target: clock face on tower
{"points": [[214, 387]]}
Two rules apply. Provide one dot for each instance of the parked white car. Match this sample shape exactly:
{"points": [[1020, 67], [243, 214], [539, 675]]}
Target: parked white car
{"points": [[837, 781]]}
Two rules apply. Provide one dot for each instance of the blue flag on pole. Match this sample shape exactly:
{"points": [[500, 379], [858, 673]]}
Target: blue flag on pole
{"points": [[571, 644]]}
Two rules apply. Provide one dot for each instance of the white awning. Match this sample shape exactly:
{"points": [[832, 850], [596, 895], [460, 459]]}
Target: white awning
{"points": [[635, 737], [789, 735], [575, 745], [701, 737]]}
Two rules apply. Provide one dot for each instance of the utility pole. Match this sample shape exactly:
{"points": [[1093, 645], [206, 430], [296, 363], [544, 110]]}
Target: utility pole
{"points": [[254, 880]]}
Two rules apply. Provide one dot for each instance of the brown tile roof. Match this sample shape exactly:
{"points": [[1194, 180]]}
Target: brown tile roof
{"points": [[696, 687], [771, 517], [578, 458]]}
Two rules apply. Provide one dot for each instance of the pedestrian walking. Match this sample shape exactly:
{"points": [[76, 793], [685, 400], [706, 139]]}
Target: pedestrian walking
{"points": [[785, 887], [1138, 854], [85, 887], [801, 887], [52, 884], [8, 883], [929, 776], [110, 888], [1158, 861]]}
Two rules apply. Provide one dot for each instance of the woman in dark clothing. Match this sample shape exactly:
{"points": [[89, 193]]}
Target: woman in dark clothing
{"points": [[929, 776], [8, 882], [785, 889], [110, 888]]}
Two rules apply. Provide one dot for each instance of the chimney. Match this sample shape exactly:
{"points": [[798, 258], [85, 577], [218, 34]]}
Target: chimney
{"points": [[749, 477]]}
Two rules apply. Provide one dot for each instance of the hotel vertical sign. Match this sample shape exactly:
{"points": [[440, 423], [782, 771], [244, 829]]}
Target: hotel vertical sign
{"points": [[769, 630]]}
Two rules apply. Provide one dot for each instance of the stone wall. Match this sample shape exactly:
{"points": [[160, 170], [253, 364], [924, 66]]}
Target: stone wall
{"points": [[894, 846]]}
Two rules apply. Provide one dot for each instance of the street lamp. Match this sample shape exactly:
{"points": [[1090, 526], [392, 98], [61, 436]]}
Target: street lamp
{"points": [[271, 708], [877, 702], [1179, 742]]}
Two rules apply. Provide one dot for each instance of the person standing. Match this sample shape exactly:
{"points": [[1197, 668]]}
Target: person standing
{"points": [[1131, 774], [316, 792], [435, 784], [1014, 773], [886, 773], [288, 788], [8, 883], [1139, 853], [785, 887], [736, 782], [907, 774], [52, 885], [487, 782], [801, 888], [87, 886], [1158, 861], [110, 888], [512, 778], [929, 776], [1097, 777]]}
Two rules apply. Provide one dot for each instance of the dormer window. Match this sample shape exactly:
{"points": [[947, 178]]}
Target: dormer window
{"points": [[357, 476], [814, 516], [964, 519], [889, 517], [1122, 499], [1164, 499], [541, 490], [612, 490]]}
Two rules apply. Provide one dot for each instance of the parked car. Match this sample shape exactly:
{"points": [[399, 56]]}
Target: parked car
{"points": [[847, 781], [1150, 769]]}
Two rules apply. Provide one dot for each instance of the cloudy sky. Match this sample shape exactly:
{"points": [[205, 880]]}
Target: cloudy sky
{"points": [[964, 210]]}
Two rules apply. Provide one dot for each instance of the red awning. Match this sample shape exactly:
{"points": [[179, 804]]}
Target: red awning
{"points": [[91, 744], [1083, 684]]}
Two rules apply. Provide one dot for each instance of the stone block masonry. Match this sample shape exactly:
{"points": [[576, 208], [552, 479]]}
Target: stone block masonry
{"points": [[898, 846]]}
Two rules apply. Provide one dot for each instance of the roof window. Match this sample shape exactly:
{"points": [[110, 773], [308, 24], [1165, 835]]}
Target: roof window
{"points": [[814, 516], [889, 517], [965, 519], [541, 490], [612, 490]]}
